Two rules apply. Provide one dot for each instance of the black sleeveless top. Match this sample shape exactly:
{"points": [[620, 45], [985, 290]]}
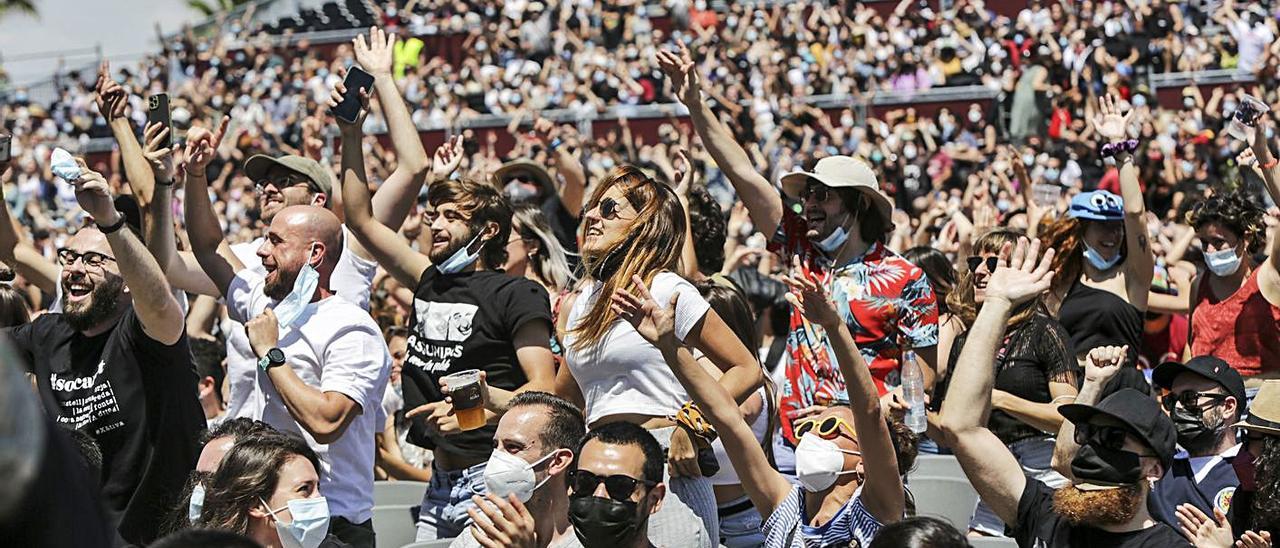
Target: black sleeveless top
{"points": [[1095, 317]]}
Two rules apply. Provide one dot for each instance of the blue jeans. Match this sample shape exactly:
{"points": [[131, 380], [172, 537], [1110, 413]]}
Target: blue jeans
{"points": [[1036, 457], [741, 529], [445, 504]]}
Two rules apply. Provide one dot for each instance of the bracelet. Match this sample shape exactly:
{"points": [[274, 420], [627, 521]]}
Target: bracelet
{"points": [[554, 144], [690, 417], [114, 227], [1273, 163], [1109, 150], [161, 183]]}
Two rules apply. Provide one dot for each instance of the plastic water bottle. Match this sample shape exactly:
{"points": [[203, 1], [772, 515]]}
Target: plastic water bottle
{"points": [[913, 393]]}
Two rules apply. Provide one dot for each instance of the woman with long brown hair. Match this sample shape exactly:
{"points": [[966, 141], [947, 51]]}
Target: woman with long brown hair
{"points": [[267, 488], [1035, 371], [1104, 262], [633, 229]]}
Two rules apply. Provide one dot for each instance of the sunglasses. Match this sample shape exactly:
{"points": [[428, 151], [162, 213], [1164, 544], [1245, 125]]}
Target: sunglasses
{"points": [[1104, 436], [283, 182], [828, 428], [1190, 400], [92, 259], [991, 261], [619, 487], [608, 209], [817, 191]]}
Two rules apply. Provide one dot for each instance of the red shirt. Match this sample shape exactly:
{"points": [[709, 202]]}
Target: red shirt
{"points": [[885, 300], [1243, 329], [1166, 344]]}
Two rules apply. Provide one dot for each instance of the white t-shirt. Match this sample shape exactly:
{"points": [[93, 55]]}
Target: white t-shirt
{"points": [[352, 280], [335, 347], [623, 373], [759, 426]]}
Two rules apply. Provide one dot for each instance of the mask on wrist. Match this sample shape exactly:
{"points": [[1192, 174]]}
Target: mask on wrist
{"points": [[62, 164]]}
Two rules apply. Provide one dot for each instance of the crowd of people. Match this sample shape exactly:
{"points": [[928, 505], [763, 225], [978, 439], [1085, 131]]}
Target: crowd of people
{"points": [[726, 337]]}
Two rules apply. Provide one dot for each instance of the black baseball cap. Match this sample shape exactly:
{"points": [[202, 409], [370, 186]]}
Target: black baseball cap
{"points": [[1138, 412], [1209, 367]]}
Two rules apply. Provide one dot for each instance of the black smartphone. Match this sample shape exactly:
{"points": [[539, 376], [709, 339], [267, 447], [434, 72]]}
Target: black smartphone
{"points": [[6, 146], [158, 112], [355, 81]]}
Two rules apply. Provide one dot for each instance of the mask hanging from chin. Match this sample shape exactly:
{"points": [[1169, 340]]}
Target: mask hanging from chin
{"points": [[291, 307], [462, 258], [834, 241], [1095, 258]]}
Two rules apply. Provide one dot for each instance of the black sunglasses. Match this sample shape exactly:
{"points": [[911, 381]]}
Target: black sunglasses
{"points": [[619, 487], [91, 258], [1190, 400], [815, 190], [1109, 437], [287, 181], [991, 261]]}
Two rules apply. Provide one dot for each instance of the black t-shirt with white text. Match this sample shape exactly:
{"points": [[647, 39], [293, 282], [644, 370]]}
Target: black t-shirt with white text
{"points": [[1040, 527], [466, 321], [135, 396]]}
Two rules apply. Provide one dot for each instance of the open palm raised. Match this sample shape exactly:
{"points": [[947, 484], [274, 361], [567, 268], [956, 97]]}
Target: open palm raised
{"points": [[1019, 277]]}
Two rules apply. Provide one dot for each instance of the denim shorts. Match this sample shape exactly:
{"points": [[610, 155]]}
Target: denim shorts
{"points": [[445, 504]]}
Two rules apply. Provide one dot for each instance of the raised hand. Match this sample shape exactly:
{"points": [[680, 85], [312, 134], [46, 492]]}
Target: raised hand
{"points": [[312, 127], [1103, 362], [447, 159], [544, 130], [335, 97], [1203, 531], [1019, 277], [156, 150], [110, 96], [654, 323], [1110, 123], [683, 172], [94, 195], [509, 523], [202, 145], [376, 55], [681, 70], [1261, 147], [810, 297]]}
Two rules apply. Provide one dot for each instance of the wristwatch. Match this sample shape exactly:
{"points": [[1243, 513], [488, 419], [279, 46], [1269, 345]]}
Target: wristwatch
{"points": [[273, 358]]}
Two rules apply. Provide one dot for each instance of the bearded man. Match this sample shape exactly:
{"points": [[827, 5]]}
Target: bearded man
{"points": [[1126, 441], [115, 364]]}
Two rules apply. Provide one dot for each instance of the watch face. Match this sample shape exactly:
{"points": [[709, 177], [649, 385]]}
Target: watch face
{"points": [[275, 355]]}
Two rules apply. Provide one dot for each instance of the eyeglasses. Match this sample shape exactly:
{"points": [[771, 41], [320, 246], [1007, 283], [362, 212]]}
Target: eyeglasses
{"points": [[815, 190], [619, 487], [68, 257], [991, 261], [1190, 400], [290, 180], [828, 428]]}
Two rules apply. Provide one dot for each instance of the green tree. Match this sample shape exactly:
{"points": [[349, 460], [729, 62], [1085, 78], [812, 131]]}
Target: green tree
{"points": [[17, 6], [210, 7]]}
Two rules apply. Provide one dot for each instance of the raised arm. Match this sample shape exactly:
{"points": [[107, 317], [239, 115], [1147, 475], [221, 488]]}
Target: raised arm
{"points": [[203, 228], [986, 461], [1100, 366], [762, 200], [764, 486], [387, 247], [882, 491], [1112, 126], [395, 197], [158, 311], [1270, 168], [567, 164]]}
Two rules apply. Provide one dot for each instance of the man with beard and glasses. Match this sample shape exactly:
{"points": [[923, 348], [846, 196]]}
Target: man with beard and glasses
{"points": [[1206, 396], [615, 485], [467, 315], [116, 365], [322, 365], [1127, 440]]}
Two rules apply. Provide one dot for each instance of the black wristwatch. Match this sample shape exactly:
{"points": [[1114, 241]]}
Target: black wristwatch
{"points": [[273, 358]]}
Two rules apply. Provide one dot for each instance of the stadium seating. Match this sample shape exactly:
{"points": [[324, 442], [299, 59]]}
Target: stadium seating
{"points": [[992, 542], [387, 493], [950, 498], [394, 525], [443, 543], [942, 466]]}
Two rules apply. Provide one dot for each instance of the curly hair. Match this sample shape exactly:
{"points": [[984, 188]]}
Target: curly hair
{"points": [[1237, 211], [708, 247], [1266, 501]]}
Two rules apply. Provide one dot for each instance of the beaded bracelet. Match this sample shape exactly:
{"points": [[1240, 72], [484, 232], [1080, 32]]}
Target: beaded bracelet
{"points": [[1109, 150]]}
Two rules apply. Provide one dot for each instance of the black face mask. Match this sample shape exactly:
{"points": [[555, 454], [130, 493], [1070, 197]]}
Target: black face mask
{"points": [[1106, 466], [1193, 434], [604, 522]]}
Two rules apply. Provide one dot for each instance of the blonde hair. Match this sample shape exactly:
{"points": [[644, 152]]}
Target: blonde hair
{"points": [[652, 244]]}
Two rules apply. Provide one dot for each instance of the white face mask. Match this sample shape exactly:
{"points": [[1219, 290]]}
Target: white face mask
{"points": [[196, 506], [1222, 263], [819, 462], [310, 523], [506, 474], [290, 308]]}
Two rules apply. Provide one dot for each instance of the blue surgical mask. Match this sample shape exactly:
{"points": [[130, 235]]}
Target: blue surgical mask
{"points": [[290, 308], [834, 241], [310, 523], [461, 258], [1096, 259], [64, 165], [1222, 263], [197, 503]]}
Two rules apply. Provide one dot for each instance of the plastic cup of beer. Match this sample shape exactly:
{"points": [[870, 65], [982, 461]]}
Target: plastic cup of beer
{"points": [[467, 396]]}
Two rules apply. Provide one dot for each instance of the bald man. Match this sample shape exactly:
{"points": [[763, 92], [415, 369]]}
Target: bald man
{"points": [[323, 365]]}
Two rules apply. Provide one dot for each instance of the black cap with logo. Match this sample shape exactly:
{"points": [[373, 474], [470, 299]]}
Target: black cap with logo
{"points": [[1209, 367]]}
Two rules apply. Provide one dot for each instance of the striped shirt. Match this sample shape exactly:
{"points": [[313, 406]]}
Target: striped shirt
{"points": [[852, 525]]}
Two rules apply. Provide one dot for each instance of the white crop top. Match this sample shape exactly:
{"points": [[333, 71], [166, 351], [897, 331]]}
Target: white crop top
{"points": [[623, 373]]}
